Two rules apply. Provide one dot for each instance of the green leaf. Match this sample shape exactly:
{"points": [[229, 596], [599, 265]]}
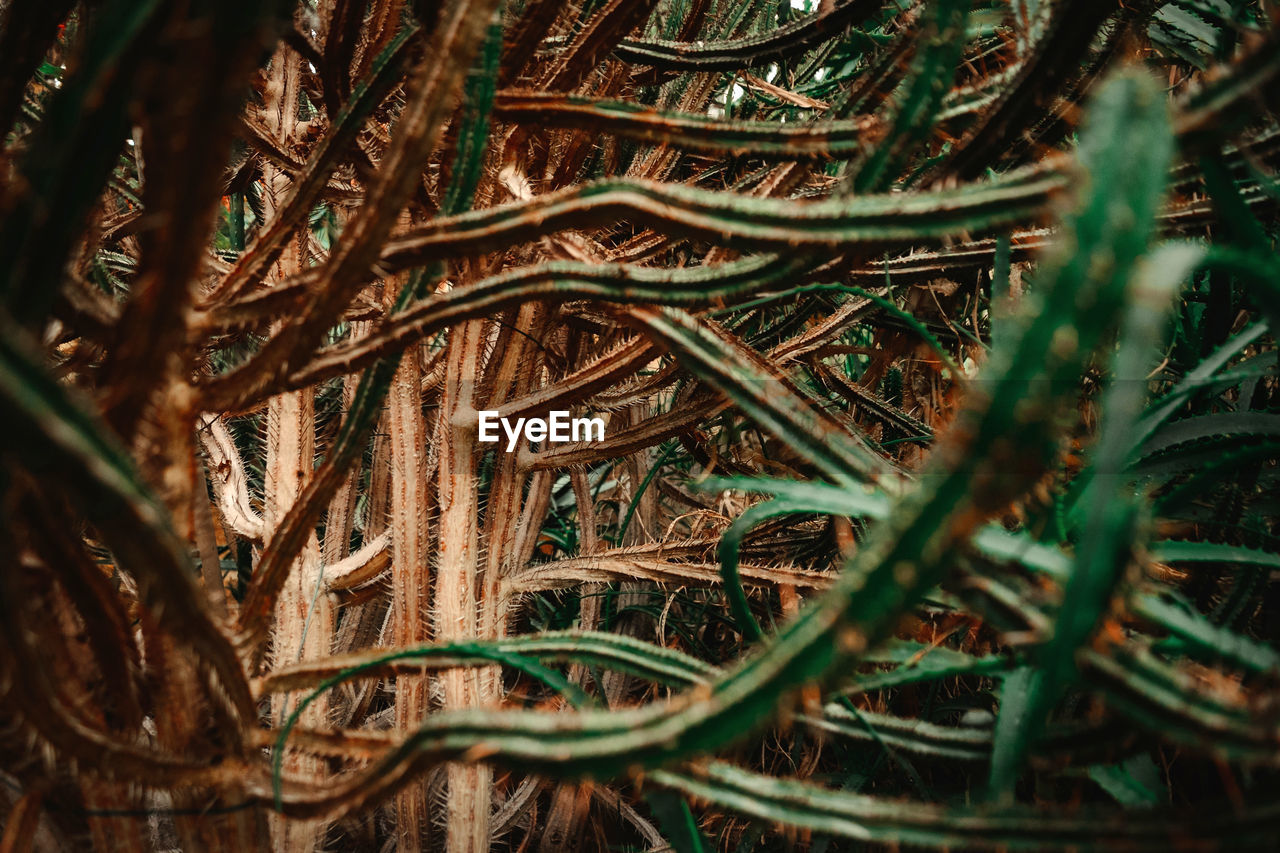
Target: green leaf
{"points": [[678, 825], [1110, 516], [1135, 783]]}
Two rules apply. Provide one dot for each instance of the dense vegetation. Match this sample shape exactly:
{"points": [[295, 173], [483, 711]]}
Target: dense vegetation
{"points": [[937, 504]]}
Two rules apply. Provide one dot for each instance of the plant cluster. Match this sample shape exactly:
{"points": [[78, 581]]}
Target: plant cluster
{"points": [[934, 345]]}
